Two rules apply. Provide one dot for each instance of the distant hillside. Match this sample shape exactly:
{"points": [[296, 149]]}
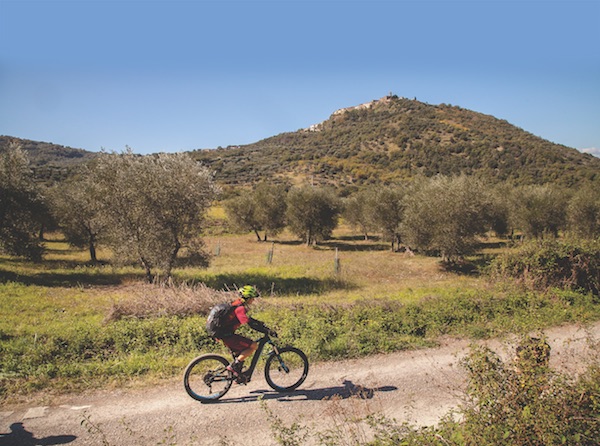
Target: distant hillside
{"points": [[393, 139], [49, 162], [383, 141]]}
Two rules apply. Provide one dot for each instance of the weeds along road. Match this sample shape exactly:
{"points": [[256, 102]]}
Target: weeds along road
{"points": [[415, 386]]}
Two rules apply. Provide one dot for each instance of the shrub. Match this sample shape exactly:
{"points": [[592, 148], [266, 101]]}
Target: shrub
{"points": [[525, 403], [520, 403], [568, 264]]}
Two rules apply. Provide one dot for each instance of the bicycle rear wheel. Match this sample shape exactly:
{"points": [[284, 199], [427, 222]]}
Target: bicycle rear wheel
{"points": [[287, 370], [206, 378]]}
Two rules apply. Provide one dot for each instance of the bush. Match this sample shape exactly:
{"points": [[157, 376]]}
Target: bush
{"points": [[568, 264], [520, 403], [526, 403]]}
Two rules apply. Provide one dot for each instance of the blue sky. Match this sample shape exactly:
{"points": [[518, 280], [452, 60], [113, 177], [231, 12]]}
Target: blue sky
{"points": [[180, 75]]}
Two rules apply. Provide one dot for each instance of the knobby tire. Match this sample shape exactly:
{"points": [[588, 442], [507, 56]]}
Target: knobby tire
{"points": [[287, 370], [206, 378]]}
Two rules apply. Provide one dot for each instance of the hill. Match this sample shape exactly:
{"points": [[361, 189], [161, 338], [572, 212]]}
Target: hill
{"points": [[393, 139], [49, 162], [383, 141]]}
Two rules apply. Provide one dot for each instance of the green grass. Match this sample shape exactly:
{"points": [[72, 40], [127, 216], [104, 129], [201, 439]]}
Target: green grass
{"points": [[54, 333]]}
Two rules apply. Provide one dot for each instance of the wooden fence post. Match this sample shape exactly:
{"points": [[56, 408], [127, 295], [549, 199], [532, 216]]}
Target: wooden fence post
{"points": [[337, 265]]}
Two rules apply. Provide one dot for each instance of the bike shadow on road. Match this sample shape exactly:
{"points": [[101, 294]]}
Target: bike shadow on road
{"points": [[19, 436], [347, 390]]}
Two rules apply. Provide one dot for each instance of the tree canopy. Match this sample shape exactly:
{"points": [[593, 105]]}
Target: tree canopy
{"points": [[312, 213], [22, 208], [446, 214]]}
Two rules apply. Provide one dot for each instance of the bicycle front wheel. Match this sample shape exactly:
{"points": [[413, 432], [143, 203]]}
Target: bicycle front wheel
{"points": [[206, 378], [286, 370]]}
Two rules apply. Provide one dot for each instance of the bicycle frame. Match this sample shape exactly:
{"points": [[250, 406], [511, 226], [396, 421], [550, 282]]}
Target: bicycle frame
{"points": [[262, 342]]}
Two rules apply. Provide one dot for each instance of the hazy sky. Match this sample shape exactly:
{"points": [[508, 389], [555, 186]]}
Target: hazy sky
{"points": [[179, 75]]}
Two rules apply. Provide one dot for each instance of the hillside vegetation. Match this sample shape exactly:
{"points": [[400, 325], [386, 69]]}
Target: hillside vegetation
{"points": [[49, 162], [383, 141], [394, 139]]}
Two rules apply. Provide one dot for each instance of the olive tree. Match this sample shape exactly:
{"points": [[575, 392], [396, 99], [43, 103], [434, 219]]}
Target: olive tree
{"points": [[539, 210], [22, 208], [386, 210], [583, 211], [357, 211], [241, 213], [76, 205], [312, 213], [262, 209], [270, 206], [445, 215], [153, 206]]}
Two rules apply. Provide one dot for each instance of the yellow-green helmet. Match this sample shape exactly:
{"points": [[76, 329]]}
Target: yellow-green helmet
{"points": [[248, 292]]}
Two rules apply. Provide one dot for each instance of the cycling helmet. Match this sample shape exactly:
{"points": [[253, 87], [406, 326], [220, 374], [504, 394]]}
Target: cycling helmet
{"points": [[248, 292]]}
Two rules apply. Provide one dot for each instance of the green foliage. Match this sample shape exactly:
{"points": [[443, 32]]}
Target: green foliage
{"points": [[527, 404], [22, 208], [50, 163], [292, 435], [241, 213], [153, 206], [84, 350], [570, 264], [357, 211], [271, 207], [520, 402], [583, 212], [446, 215], [393, 139], [262, 209], [539, 210], [77, 205], [369, 327], [386, 209], [312, 213]]}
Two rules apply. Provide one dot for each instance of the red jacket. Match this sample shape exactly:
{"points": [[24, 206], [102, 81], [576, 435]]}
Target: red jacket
{"points": [[240, 317]]}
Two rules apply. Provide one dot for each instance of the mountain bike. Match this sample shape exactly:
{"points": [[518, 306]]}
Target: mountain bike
{"points": [[207, 379]]}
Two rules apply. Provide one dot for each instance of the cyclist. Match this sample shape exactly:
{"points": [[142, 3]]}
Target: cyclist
{"points": [[241, 346]]}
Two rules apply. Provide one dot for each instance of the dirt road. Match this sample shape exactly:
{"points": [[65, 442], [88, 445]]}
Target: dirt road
{"points": [[416, 386]]}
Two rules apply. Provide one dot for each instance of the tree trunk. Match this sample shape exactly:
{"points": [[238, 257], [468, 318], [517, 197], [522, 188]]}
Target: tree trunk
{"points": [[257, 235], [308, 238], [148, 269], [365, 233], [172, 258], [92, 248]]}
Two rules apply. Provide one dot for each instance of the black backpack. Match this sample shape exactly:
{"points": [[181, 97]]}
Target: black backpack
{"points": [[219, 322]]}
